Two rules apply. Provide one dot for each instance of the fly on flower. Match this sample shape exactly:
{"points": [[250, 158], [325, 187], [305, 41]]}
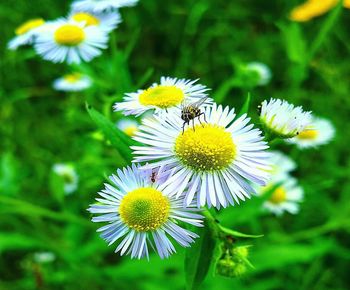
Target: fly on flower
{"points": [[192, 111]]}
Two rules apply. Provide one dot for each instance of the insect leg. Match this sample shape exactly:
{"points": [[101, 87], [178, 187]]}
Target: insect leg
{"points": [[193, 125], [199, 119], [203, 117], [183, 127]]}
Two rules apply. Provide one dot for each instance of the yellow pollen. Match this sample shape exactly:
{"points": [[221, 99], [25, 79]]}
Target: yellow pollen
{"points": [[162, 96], [278, 196], [86, 17], [131, 130], [69, 34], [72, 78], [29, 25], [308, 134], [144, 209], [205, 148]]}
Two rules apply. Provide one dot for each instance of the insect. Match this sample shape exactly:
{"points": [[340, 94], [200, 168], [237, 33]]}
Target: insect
{"points": [[153, 176], [192, 111]]}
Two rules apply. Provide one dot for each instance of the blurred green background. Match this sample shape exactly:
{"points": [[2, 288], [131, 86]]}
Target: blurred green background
{"points": [[203, 39]]}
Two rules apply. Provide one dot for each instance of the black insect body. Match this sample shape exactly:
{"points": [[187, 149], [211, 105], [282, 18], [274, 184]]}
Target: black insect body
{"points": [[192, 111]]}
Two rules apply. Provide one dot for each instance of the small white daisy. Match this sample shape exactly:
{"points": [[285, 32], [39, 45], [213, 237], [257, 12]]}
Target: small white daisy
{"points": [[319, 132], [129, 127], [69, 176], [102, 5], [67, 40], [105, 21], [44, 257], [213, 160], [73, 82], [283, 119], [169, 93], [25, 34], [285, 197], [141, 215], [281, 164], [262, 72]]}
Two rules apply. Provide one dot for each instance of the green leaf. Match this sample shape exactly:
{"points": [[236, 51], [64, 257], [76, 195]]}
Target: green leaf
{"points": [[118, 139], [294, 42], [199, 257], [245, 107], [238, 234], [325, 30]]}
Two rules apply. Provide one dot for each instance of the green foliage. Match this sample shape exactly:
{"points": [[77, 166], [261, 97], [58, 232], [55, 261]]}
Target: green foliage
{"points": [[203, 39]]}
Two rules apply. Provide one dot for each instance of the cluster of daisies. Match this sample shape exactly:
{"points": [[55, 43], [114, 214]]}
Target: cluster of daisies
{"points": [[80, 36], [217, 159]]}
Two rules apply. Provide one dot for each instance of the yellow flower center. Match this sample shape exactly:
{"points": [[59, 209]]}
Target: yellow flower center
{"points": [[308, 134], [131, 130], [278, 196], [72, 78], [205, 148], [69, 34], [162, 96], [86, 17], [144, 209], [29, 25]]}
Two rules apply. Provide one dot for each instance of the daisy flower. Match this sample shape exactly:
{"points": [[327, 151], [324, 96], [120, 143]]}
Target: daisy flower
{"points": [[102, 5], [129, 127], [262, 72], [286, 195], [281, 164], [140, 215], [73, 82], [283, 119], [320, 131], [105, 21], [25, 33], [69, 176], [169, 93], [67, 40], [44, 257], [213, 160]]}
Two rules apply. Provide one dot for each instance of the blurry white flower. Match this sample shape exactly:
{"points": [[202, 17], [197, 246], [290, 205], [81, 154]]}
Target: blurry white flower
{"points": [[101, 5], [319, 132], [170, 93], [44, 257], [262, 71], [73, 82], [141, 216], [25, 34], [283, 119], [286, 195], [281, 164], [105, 21], [71, 41], [69, 176], [129, 127]]}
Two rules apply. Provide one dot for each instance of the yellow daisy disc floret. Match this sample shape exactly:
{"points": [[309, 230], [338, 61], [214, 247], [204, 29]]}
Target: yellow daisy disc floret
{"points": [[144, 209], [308, 134], [205, 148], [88, 18], [278, 196], [69, 34], [72, 78], [162, 96], [29, 25]]}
